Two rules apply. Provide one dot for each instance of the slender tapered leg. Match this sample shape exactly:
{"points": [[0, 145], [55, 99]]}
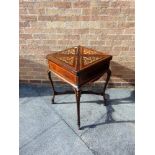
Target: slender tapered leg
{"points": [[107, 80], [78, 94], [54, 92]]}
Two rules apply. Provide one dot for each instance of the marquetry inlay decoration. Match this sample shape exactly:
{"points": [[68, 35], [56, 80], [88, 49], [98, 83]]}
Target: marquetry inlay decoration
{"points": [[89, 52], [78, 57], [88, 60], [71, 51], [67, 60]]}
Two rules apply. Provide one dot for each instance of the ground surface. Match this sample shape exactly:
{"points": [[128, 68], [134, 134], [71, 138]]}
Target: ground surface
{"points": [[50, 129]]}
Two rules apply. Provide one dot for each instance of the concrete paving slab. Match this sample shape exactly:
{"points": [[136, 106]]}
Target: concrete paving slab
{"points": [[111, 139], [90, 111], [105, 130], [35, 117], [57, 140], [92, 108], [114, 135]]}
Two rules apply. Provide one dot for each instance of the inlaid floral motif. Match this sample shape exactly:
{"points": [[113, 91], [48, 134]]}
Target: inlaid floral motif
{"points": [[88, 51], [69, 51], [79, 60], [67, 60], [89, 60]]}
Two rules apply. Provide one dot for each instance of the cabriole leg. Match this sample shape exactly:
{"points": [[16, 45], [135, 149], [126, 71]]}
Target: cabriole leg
{"points": [[107, 80], [54, 92]]}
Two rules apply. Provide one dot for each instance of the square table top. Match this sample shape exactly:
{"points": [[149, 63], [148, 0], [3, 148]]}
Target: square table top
{"points": [[78, 58]]}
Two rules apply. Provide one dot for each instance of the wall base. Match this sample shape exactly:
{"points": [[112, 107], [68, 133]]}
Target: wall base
{"points": [[60, 83]]}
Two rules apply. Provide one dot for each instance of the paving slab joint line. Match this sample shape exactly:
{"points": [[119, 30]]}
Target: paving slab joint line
{"points": [[86, 130], [93, 151], [39, 134]]}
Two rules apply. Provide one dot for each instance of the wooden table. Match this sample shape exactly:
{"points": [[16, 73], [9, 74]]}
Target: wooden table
{"points": [[78, 66]]}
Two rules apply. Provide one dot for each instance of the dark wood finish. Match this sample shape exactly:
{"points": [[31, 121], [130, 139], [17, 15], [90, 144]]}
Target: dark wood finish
{"points": [[78, 66], [78, 95], [107, 80], [64, 73], [54, 92]]}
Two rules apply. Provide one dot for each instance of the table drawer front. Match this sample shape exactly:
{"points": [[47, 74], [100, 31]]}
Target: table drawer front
{"points": [[62, 72], [93, 72]]}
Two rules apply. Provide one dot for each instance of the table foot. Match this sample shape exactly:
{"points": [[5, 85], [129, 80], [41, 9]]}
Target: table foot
{"points": [[105, 102], [79, 128], [52, 100]]}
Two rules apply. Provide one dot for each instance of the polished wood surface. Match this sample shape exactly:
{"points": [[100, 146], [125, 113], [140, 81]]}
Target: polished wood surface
{"points": [[78, 58], [78, 66]]}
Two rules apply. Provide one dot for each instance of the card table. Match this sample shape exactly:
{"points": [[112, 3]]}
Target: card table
{"points": [[78, 66]]}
